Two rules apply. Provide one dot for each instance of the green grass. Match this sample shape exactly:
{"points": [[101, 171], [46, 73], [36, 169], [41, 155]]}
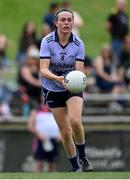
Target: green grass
{"points": [[13, 13], [94, 175]]}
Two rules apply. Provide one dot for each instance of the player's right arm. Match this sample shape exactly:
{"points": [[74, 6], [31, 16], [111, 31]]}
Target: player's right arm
{"points": [[44, 70], [45, 57]]}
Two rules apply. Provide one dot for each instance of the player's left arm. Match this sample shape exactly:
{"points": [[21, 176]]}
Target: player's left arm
{"points": [[79, 65]]}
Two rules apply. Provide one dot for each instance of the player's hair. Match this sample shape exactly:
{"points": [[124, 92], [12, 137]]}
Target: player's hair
{"points": [[62, 10]]}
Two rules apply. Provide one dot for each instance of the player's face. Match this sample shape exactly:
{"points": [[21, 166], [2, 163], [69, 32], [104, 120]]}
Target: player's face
{"points": [[65, 22]]}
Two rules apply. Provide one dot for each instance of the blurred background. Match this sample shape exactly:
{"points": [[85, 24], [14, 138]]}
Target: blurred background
{"points": [[104, 28]]}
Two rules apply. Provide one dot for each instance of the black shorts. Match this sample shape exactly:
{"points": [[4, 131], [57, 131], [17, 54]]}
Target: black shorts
{"points": [[58, 99], [41, 154]]}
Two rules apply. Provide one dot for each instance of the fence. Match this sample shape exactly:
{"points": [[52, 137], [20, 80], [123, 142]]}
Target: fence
{"points": [[107, 138]]}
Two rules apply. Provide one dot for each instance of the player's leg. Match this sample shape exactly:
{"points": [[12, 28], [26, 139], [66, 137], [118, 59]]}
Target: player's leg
{"points": [[38, 155], [39, 165], [74, 105], [52, 166], [53, 155], [60, 115]]}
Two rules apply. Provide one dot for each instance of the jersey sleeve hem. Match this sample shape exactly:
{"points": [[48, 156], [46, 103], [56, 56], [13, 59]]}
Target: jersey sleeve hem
{"points": [[45, 57], [79, 60]]}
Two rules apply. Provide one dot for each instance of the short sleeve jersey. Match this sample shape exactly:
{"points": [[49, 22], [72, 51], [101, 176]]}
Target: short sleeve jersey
{"points": [[119, 23], [62, 58]]}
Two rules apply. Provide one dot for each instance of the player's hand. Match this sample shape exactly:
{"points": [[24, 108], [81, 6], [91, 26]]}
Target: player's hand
{"points": [[41, 136], [61, 80]]}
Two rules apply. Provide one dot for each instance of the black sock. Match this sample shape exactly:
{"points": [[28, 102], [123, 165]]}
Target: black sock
{"points": [[74, 162], [81, 151]]}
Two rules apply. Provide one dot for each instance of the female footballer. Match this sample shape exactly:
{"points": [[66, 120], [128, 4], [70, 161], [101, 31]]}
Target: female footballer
{"points": [[61, 52]]}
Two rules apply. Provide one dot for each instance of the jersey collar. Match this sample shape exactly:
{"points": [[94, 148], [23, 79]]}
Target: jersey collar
{"points": [[57, 38]]}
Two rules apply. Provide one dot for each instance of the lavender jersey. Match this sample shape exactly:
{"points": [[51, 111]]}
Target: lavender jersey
{"points": [[62, 58]]}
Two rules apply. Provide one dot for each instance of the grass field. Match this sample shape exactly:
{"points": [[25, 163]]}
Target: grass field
{"points": [[96, 175], [13, 13]]}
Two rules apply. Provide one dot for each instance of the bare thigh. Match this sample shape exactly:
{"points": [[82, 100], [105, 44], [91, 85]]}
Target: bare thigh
{"points": [[61, 117], [75, 105]]}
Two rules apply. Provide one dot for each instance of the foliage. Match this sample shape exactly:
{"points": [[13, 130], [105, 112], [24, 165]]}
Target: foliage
{"points": [[13, 14]]}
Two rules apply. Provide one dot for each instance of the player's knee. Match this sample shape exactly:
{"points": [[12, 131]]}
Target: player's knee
{"points": [[66, 134], [75, 122]]}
